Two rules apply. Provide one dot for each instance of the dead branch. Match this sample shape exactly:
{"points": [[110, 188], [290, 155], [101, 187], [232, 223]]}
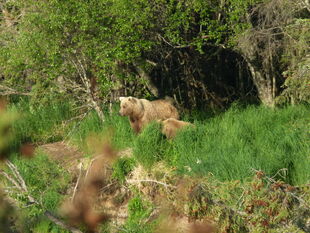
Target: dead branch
{"points": [[146, 77], [173, 46], [77, 182], [304, 4], [76, 125], [5, 91], [89, 167], [152, 181], [11, 179], [60, 223], [17, 175], [79, 117], [80, 68], [152, 62], [220, 203], [273, 181]]}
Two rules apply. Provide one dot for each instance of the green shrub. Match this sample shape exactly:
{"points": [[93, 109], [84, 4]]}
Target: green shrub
{"points": [[138, 212], [45, 179], [122, 167]]}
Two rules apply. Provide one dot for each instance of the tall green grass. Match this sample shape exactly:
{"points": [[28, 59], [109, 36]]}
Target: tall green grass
{"points": [[229, 145], [40, 124], [150, 146], [44, 124], [114, 126], [232, 144]]}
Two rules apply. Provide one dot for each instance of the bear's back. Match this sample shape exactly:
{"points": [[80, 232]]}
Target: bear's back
{"points": [[164, 109]]}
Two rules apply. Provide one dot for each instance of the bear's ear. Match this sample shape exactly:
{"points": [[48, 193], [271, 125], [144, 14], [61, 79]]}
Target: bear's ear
{"points": [[132, 99], [121, 98]]}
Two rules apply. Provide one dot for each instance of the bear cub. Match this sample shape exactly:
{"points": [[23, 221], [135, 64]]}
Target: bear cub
{"points": [[171, 126]]}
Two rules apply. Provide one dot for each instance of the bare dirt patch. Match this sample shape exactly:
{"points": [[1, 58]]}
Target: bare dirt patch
{"points": [[67, 156]]}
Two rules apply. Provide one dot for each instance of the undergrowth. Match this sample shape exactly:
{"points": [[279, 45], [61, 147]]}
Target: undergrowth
{"points": [[45, 179], [228, 145], [114, 126], [234, 143], [40, 124], [122, 167], [138, 212], [47, 183]]}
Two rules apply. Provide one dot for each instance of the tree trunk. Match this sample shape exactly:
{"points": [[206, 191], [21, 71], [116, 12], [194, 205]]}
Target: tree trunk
{"points": [[146, 77], [265, 84]]}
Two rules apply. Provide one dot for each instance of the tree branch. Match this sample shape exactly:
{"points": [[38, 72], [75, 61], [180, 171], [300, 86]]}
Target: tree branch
{"points": [[173, 46], [77, 182], [88, 87], [11, 179], [17, 175], [5, 90], [271, 180]]}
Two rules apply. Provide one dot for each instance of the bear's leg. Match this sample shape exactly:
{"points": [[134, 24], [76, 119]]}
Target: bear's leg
{"points": [[136, 126]]}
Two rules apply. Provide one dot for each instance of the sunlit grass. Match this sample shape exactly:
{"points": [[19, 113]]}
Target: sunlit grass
{"points": [[230, 145]]}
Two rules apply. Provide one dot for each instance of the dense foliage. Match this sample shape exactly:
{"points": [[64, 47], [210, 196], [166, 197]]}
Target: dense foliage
{"points": [[203, 53]]}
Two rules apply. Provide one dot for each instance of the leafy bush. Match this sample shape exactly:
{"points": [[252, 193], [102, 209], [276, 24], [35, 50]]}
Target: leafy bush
{"points": [[297, 60]]}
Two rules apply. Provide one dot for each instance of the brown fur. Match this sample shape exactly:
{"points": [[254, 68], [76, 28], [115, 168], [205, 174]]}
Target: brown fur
{"points": [[171, 126], [141, 111]]}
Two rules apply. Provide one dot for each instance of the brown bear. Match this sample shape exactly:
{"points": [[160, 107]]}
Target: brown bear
{"points": [[171, 126], [141, 111]]}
